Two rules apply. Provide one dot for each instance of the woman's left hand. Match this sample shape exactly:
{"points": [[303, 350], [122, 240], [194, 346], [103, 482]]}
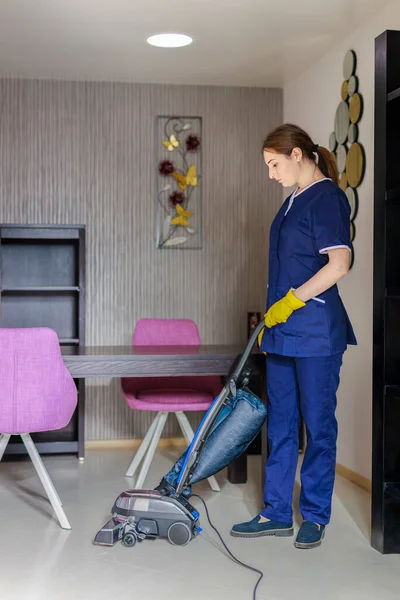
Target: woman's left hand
{"points": [[281, 310]]}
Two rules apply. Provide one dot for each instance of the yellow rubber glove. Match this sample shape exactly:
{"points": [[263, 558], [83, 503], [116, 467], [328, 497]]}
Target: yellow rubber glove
{"points": [[281, 310]]}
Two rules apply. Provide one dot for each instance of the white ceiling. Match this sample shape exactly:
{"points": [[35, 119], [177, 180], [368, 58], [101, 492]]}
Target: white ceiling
{"points": [[237, 42]]}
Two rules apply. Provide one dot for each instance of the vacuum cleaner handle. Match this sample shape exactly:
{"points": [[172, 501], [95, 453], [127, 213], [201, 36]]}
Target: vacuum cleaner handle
{"points": [[201, 435]]}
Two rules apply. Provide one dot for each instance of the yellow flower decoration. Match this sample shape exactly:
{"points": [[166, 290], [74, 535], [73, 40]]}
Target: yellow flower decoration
{"points": [[171, 143], [189, 179], [182, 218]]}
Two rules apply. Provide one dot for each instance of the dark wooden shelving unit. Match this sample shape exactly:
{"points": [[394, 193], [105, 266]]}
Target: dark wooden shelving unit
{"points": [[42, 284], [386, 301]]}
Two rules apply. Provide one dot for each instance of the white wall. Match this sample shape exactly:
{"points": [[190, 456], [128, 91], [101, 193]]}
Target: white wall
{"points": [[311, 101]]}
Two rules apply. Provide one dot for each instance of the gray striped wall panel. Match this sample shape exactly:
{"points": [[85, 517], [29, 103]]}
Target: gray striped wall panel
{"points": [[74, 152]]}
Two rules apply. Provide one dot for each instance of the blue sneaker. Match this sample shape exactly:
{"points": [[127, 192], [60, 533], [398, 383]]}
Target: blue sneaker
{"points": [[310, 535], [254, 528]]}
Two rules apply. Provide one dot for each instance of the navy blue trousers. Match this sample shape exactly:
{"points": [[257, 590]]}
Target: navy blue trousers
{"points": [[308, 385]]}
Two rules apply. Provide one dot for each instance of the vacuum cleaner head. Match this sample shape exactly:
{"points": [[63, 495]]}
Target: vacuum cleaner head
{"points": [[228, 427], [140, 514]]}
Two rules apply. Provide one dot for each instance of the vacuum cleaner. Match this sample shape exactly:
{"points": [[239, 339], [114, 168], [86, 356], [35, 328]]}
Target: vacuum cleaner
{"points": [[231, 423]]}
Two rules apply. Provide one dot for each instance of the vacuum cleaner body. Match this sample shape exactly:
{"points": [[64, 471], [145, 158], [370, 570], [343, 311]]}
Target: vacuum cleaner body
{"points": [[228, 427]]}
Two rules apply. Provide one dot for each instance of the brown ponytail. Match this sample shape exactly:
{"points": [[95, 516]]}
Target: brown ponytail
{"points": [[327, 164], [286, 137]]}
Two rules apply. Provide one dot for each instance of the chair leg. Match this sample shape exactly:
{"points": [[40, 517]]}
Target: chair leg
{"points": [[50, 481], [188, 434], [46, 481], [4, 439], [152, 448], [137, 459]]}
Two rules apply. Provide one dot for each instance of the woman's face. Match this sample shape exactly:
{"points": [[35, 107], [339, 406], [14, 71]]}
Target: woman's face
{"points": [[284, 169]]}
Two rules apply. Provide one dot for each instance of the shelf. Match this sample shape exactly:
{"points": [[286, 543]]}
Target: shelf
{"points": [[392, 195], [392, 390], [393, 95], [393, 490], [392, 293], [42, 284], [31, 288], [40, 233]]}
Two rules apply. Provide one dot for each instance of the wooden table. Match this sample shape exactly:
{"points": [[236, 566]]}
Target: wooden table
{"points": [[166, 361]]}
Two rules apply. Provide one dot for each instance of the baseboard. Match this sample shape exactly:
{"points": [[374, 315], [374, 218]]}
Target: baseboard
{"points": [[177, 442], [354, 477]]}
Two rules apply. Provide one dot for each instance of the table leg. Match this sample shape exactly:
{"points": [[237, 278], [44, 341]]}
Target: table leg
{"points": [[237, 470]]}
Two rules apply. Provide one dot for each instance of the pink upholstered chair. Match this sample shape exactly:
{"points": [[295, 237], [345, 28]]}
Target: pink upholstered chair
{"points": [[37, 393], [164, 395]]}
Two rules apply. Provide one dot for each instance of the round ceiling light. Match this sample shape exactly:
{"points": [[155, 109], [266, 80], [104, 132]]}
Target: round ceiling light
{"points": [[169, 40]]}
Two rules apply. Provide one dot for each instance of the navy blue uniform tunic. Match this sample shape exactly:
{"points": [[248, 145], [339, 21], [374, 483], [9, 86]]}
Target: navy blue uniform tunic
{"points": [[305, 228]]}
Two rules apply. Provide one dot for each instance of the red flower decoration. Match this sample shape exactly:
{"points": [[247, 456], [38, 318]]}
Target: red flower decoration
{"points": [[177, 198], [192, 143], [166, 168]]}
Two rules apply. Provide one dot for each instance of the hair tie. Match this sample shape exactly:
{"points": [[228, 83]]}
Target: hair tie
{"points": [[315, 148]]}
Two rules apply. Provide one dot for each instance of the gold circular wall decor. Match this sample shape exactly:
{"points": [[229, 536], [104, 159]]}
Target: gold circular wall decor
{"points": [[343, 181], [352, 231], [345, 91], [355, 108], [355, 165], [343, 142]]}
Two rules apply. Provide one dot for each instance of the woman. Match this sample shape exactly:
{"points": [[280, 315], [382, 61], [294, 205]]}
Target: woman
{"points": [[307, 330]]}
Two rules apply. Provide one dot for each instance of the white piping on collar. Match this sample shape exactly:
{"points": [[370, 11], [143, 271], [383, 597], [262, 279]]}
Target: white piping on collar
{"points": [[294, 195]]}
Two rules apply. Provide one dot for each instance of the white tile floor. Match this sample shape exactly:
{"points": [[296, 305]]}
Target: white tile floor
{"points": [[38, 560]]}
